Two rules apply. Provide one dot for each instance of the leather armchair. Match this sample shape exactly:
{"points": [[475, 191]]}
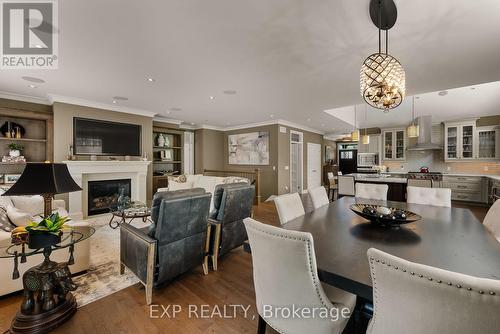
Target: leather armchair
{"points": [[176, 242], [233, 203]]}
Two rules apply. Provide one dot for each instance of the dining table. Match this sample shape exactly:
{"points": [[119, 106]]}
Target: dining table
{"points": [[445, 237]]}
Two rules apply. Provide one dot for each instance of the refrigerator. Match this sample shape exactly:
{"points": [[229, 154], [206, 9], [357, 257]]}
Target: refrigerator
{"points": [[348, 158]]}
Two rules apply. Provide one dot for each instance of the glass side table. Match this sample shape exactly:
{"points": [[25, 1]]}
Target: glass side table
{"points": [[136, 210], [47, 298]]}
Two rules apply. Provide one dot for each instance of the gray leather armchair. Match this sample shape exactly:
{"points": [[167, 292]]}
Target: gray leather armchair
{"points": [[233, 203], [176, 242]]}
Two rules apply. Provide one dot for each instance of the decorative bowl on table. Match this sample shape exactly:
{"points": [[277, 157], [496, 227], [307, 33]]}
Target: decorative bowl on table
{"points": [[381, 215]]}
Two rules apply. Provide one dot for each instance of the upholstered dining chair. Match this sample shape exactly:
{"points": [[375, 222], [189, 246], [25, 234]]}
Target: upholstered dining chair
{"points": [[429, 196], [372, 191], [289, 206], [285, 275], [412, 298], [492, 220], [346, 185], [318, 197]]}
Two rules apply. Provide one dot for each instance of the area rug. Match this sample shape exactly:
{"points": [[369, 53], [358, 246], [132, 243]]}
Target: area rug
{"points": [[103, 277]]}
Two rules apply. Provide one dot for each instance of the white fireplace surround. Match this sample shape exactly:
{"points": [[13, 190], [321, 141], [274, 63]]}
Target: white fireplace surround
{"points": [[85, 171]]}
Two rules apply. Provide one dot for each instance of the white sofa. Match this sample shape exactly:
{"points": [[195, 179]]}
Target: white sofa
{"points": [[81, 253], [201, 181]]}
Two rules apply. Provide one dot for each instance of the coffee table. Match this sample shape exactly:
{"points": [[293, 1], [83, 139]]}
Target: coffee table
{"points": [[119, 217]]}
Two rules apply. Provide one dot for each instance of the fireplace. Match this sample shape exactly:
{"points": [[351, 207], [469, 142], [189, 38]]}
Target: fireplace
{"points": [[102, 195]]}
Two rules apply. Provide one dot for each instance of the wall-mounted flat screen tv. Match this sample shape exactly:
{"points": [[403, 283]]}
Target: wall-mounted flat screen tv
{"points": [[95, 137]]}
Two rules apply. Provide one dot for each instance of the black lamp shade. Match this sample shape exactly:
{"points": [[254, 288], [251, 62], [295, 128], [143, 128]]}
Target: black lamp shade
{"points": [[43, 178]]}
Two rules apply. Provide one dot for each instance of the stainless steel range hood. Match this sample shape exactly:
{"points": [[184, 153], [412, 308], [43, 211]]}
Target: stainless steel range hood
{"points": [[425, 135]]}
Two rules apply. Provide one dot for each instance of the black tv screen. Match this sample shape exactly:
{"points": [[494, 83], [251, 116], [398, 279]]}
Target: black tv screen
{"points": [[95, 137]]}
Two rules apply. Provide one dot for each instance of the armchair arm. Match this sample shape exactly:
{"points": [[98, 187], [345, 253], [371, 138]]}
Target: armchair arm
{"points": [[138, 252]]}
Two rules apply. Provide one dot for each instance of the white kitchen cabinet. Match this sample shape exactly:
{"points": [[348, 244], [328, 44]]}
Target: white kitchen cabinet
{"points": [[460, 141], [465, 188], [488, 143], [394, 144]]}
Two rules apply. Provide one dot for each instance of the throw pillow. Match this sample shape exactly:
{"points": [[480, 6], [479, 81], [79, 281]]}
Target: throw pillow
{"points": [[5, 224], [179, 179], [30, 204], [19, 217], [236, 179]]}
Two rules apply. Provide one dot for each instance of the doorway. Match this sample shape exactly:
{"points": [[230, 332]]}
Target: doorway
{"points": [[313, 165], [296, 162]]}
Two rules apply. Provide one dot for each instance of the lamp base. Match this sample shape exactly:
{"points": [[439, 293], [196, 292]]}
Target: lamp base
{"points": [[47, 204]]}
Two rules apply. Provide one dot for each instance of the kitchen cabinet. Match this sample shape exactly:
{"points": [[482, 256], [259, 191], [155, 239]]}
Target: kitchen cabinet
{"points": [[488, 143], [372, 147], [460, 141], [394, 144], [465, 188]]}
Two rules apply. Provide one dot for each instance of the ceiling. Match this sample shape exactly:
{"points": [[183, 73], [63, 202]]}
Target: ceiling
{"points": [[286, 59]]}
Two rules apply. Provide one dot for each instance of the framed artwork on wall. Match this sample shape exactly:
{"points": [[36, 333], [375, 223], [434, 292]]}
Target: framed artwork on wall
{"points": [[249, 148]]}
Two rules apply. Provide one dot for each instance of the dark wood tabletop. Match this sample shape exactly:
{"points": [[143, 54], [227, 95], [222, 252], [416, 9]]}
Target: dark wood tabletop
{"points": [[447, 238]]}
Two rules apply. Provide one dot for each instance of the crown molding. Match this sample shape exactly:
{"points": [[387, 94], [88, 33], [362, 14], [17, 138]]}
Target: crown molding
{"points": [[259, 124], [167, 120], [98, 105], [24, 98]]}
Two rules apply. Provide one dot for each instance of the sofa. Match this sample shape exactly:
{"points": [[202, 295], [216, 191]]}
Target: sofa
{"points": [[232, 203], [176, 242], [33, 205], [200, 181]]}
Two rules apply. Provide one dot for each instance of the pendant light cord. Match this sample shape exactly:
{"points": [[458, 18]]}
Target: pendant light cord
{"points": [[379, 25]]}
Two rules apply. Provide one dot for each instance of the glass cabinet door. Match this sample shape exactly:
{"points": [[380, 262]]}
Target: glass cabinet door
{"points": [[487, 140], [400, 144], [467, 142], [451, 139], [388, 145]]}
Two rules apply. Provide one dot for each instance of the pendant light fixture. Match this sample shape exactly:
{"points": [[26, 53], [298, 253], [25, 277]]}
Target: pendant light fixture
{"points": [[413, 129], [365, 139], [382, 78], [355, 132]]}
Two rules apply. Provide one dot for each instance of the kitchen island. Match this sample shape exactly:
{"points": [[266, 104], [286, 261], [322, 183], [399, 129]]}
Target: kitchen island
{"points": [[397, 185]]}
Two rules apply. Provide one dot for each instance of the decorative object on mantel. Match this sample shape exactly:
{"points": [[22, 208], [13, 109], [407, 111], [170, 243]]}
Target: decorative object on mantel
{"points": [[382, 78], [160, 140], [47, 301], [412, 130], [12, 130]]}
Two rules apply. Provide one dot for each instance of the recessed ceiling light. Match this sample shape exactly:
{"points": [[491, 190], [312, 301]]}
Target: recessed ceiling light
{"points": [[151, 80], [443, 93], [211, 97], [114, 101], [120, 98], [272, 116], [31, 86], [192, 123], [33, 79], [230, 92], [176, 109], [473, 88]]}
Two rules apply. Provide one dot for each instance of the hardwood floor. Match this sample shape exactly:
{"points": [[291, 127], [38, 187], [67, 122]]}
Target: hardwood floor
{"points": [[126, 311]]}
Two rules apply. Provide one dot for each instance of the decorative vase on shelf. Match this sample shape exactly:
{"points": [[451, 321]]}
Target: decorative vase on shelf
{"points": [[161, 140], [14, 153]]}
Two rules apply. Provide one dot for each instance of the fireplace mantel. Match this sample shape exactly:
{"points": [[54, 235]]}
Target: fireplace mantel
{"points": [[85, 171]]}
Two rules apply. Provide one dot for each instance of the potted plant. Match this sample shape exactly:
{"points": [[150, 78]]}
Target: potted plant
{"points": [[47, 232], [15, 150]]}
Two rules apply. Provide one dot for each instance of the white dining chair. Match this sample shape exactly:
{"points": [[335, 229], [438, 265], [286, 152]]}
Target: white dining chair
{"points": [[289, 206], [372, 191], [412, 298], [429, 196], [318, 197], [285, 274], [492, 220], [346, 185]]}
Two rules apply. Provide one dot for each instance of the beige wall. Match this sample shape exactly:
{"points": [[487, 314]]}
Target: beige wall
{"points": [[269, 174], [208, 150], [63, 130]]}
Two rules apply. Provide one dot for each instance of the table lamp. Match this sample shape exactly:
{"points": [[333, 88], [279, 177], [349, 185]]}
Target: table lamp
{"points": [[46, 179]]}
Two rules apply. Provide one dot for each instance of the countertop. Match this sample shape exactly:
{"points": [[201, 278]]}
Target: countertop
{"points": [[490, 176], [375, 178]]}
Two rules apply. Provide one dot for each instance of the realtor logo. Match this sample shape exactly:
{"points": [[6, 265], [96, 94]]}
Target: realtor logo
{"points": [[29, 34]]}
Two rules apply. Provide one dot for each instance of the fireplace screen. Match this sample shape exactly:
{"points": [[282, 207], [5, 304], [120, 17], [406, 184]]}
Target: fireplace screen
{"points": [[103, 195]]}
